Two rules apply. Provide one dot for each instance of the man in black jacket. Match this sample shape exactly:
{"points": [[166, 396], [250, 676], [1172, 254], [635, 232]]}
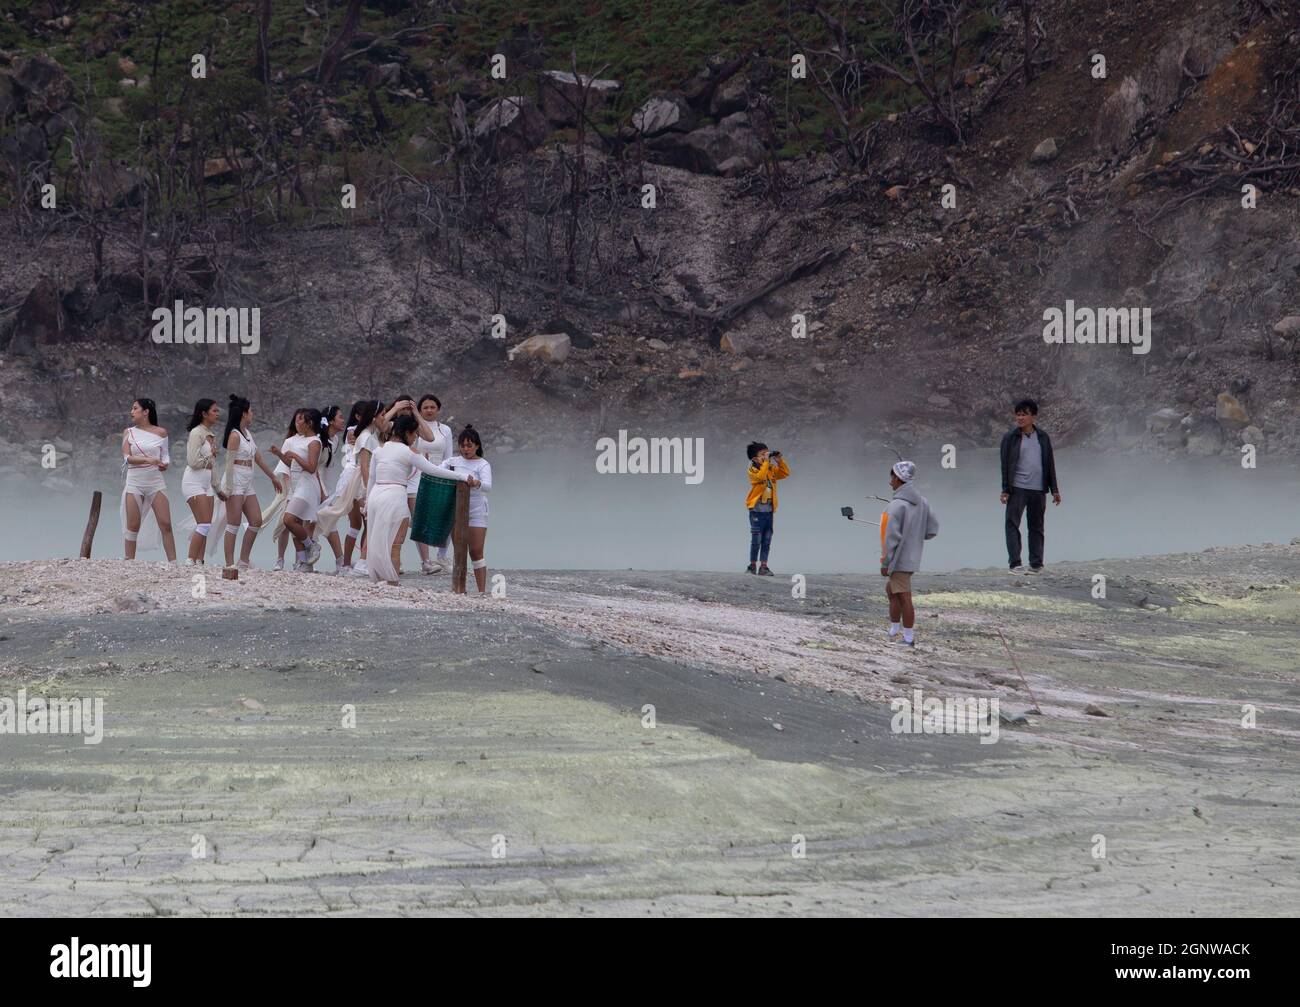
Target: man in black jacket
{"points": [[1028, 475]]}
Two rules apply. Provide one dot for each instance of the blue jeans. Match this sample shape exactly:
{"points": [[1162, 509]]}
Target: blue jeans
{"points": [[760, 535]]}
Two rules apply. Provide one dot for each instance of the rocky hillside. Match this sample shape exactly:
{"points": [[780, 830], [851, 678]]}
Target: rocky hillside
{"points": [[709, 215]]}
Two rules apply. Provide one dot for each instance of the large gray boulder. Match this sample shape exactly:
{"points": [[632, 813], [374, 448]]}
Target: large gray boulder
{"points": [[729, 148], [510, 126], [661, 114], [560, 94]]}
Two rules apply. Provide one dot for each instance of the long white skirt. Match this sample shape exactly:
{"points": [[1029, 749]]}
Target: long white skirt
{"points": [[273, 515], [385, 511], [340, 502]]}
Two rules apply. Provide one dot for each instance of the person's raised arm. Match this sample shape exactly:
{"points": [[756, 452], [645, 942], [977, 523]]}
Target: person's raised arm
{"points": [[427, 467]]}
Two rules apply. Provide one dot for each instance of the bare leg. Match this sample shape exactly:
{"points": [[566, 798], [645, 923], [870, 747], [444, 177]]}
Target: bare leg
{"points": [[354, 521], [298, 529], [132, 523], [234, 514], [909, 613], [253, 510], [476, 539], [397, 546], [162, 513], [201, 507]]}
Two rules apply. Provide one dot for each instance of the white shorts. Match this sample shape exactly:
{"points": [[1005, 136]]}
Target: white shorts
{"points": [[478, 511], [196, 483], [242, 475]]}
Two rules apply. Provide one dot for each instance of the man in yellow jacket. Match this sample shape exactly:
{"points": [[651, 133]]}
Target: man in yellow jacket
{"points": [[765, 468]]}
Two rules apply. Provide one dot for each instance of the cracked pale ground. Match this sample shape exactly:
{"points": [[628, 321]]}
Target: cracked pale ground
{"points": [[516, 728]]}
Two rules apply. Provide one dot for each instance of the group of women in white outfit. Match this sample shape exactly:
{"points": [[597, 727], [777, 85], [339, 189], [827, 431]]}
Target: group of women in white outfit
{"points": [[383, 451]]}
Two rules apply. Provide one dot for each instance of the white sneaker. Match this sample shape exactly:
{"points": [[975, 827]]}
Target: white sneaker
{"points": [[342, 568], [303, 568], [313, 551], [1037, 569], [430, 566], [243, 564], [359, 569], [1018, 570], [279, 565]]}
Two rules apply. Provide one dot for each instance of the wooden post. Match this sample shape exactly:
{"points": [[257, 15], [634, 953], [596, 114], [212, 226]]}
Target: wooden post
{"points": [[88, 539], [460, 539]]}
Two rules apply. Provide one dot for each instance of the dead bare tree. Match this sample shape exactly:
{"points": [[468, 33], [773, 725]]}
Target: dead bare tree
{"points": [[930, 34], [334, 54]]}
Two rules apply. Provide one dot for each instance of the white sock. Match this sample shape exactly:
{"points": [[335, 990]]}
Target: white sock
{"points": [[301, 554], [893, 628], [907, 635], [442, 553]]}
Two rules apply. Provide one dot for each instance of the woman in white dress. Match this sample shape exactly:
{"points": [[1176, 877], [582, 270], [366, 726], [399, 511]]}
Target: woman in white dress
{"points": [[471, 462], [275, 513], [237, 481], [332, 422], [347, 491], [387, 516], [437, 445], [369, 416], [196, 483], [305, 463], [145, 457]]}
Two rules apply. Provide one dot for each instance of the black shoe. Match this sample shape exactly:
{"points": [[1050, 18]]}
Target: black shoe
{"points": [[751, 569], [763, 571]]}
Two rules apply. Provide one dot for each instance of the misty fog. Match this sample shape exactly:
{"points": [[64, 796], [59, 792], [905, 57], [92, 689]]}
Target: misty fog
{"points": [[553, 510]]}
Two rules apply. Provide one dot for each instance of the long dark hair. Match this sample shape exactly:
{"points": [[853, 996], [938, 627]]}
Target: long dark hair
{"points": [[470, 434], [293, 423], [312, 418], [150, 407], [234, 414], [403, 426], [365, 412], [323, 426], [200, 407]]}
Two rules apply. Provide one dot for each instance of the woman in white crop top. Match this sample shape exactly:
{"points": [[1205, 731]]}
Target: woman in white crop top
{"points": [[387, 516], [237, 482], [145, 457]]}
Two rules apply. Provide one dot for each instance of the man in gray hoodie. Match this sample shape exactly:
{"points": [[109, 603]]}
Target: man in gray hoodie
{"points": [[905, 526]]}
